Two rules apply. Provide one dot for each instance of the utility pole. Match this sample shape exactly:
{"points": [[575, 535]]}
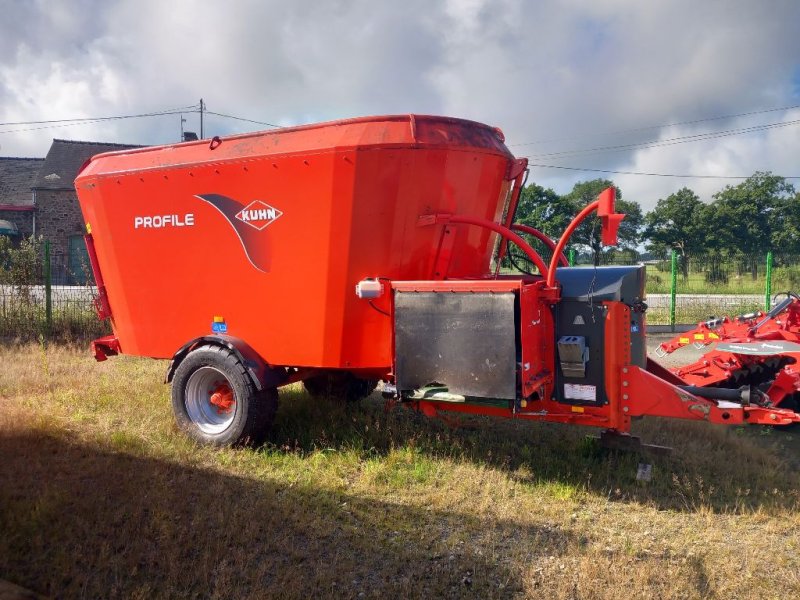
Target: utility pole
{"points": [[182, 122], [202, 108]]}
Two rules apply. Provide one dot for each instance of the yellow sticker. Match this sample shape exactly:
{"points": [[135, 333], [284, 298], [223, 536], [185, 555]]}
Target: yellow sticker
{"points": [[713, 336], [88, 227], [683, 340], [577, 409], [698, 336], [219, 319]]}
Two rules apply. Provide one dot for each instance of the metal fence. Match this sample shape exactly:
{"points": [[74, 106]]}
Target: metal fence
{"points": [[687, 289], [46, 295], [53, 295]]}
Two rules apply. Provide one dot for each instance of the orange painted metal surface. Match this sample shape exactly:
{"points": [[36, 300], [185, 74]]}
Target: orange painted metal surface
{"points": [[617, 359], [264, 237], [271, 231]]}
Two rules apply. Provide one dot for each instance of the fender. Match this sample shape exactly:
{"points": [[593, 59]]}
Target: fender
{"points": [[263, 375]]}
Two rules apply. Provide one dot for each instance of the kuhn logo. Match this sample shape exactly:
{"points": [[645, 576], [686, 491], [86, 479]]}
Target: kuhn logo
{"points": [[258, 214], [248, 221]]}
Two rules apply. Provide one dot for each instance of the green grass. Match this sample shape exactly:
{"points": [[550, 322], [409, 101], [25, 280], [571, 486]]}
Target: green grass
{"points": [[659, 282], [69, 321], [100, 496], [693, 311]]}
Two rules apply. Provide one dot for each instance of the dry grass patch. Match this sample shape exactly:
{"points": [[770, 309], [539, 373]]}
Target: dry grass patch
{"points": [[100, 496]]}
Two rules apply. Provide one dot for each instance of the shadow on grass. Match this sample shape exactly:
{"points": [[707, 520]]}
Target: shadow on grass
{"points": [[82, 521], [714, 468]]}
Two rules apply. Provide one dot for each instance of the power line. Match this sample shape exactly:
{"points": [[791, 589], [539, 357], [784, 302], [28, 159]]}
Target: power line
{"points": [[209, 112], [55, 123], [115, 117], [698, 137], [688, 176], [650, 127], [93, 120]]}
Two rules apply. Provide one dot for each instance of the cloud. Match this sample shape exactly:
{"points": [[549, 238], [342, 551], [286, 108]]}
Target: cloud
{"points": [[773, 150], [553, 71]]}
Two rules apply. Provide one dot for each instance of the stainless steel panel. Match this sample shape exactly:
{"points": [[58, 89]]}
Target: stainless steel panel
{"points": [[463, 340]]}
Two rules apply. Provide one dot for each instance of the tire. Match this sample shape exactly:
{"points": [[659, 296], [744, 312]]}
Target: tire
{"points": [[339, 385], [215, 401]]}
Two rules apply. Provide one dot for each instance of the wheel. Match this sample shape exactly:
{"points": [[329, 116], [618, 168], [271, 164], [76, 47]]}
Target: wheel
{"points": [[215, 401], [341, 385]]}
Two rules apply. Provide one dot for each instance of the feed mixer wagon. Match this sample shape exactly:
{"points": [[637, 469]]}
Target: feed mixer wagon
{"points": [[344, 253]]}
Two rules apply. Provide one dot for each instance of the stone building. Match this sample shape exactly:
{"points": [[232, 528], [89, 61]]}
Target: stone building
{"points": [[37, 197], [17, 176], [58, 215]]}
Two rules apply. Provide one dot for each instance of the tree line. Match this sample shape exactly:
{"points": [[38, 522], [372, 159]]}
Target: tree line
{"points": [[761, 213]]}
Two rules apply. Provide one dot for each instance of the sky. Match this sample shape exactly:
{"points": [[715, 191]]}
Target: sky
{"points": [[590, 84]]}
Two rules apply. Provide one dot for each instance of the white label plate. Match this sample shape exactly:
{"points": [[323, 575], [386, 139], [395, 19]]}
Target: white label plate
{"points": [[575, 391]]}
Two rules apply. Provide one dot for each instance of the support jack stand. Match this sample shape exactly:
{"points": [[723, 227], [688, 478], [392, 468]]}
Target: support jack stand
{"points": [[625, 442]]}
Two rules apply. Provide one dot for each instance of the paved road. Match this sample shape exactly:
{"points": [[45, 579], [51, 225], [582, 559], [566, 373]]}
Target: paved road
{"points": [[683, 356], [60, 293], [720, 300]]}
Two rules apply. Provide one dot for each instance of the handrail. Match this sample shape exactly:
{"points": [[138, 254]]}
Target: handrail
{"points": [[604, 205], [534, 256], [541, 237], [590, 208]]}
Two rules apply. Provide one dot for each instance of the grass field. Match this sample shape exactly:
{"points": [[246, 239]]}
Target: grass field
{"points": [[101, 497], [659, 282]]}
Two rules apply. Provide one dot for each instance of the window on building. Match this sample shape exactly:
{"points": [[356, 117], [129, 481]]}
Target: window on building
{"points": [[79, 271]]}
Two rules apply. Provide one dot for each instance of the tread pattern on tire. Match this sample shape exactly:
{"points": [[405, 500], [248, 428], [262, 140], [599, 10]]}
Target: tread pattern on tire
{"points": [[259, 406]]}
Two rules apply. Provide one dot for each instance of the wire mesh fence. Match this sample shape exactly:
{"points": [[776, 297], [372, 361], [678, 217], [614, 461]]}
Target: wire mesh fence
{"points": [[53, 295], [47, 295], [688, 289]]}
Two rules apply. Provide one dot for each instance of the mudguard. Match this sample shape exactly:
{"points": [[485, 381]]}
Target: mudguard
{"points": [[263, 375]]}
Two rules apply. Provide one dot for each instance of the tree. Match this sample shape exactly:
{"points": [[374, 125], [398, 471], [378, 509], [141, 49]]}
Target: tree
{"points": [[543, 209], [678, 221], [749, 218], [589, 233], [786, 225], [20, 267]]}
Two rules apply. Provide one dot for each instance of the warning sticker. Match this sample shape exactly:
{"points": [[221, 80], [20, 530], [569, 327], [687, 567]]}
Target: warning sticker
{"points": [[574, 391]]}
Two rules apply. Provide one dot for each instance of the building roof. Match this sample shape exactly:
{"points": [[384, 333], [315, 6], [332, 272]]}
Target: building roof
{"points": [[64, 159], [16, 180]]}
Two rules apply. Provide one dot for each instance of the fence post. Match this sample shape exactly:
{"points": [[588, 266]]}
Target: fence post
{"points": [[672, 289], [48, 288], [768, 283], [571, 257]]}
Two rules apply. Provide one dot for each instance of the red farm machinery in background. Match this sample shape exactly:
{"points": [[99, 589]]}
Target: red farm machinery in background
{"points": [[344, 253], [756, 351]]}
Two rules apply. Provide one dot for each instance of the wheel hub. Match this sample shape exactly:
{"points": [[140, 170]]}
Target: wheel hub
{"points": [[210, 400], [222, 398]]}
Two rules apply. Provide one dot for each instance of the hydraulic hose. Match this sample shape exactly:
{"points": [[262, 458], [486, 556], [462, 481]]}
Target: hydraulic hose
{"points": [[742, 395]]}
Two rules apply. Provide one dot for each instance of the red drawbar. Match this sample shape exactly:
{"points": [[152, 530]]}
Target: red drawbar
{"points": [[104, 347]]}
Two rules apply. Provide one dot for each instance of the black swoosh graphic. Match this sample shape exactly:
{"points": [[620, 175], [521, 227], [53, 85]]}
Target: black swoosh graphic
{"points": [[255, 247]]}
